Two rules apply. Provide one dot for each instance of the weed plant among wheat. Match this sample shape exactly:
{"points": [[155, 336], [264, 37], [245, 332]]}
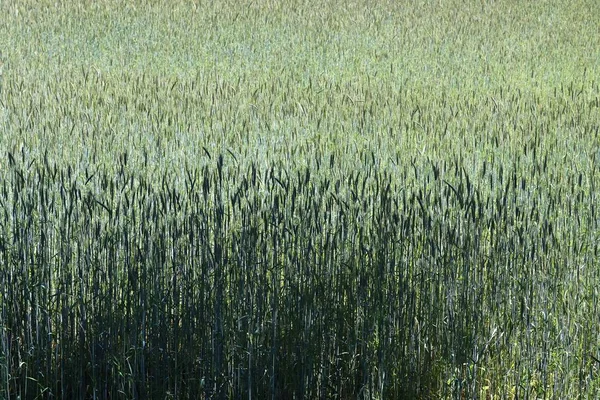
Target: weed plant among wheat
{"points": [[290, 200]]}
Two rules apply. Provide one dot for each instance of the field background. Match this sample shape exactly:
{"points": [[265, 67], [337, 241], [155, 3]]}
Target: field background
{"points": [[341, 199]]}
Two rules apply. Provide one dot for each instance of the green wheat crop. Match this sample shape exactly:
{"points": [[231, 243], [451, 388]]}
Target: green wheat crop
{"points": [[290, 200]]}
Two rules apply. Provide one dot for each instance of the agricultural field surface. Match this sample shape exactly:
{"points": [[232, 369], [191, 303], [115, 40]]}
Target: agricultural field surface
{"points": [[269, 199]]}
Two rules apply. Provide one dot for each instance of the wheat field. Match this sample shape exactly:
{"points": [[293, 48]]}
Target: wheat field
{"points": [[299, 200]]}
